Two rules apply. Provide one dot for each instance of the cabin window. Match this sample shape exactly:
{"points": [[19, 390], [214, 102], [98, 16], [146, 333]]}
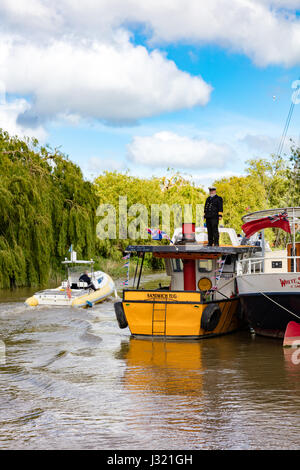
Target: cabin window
{"points": [[177, 265], [205, 265]]}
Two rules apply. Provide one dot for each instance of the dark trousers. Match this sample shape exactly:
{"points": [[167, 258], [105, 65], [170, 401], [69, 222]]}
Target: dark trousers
{"points": [[212, 230], [91, 286]]}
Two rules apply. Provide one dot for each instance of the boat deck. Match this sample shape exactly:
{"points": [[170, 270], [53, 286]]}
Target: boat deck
{"points": [[62, 293], [190, 248]]}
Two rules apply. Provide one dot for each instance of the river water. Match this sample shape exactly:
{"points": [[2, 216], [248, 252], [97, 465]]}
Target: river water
{"points": [[71, 379]]}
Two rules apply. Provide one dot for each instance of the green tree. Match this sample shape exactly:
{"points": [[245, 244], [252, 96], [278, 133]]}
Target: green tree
{"points": [[272, 174], [169, 190], [293, 177], [241, 194], [45, 205]]}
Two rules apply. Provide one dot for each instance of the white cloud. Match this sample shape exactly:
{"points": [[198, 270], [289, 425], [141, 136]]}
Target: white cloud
{"points": [[268, 31], [29, 15], [167, 149], [267, 144], [205, 179], [9, 112], [259, 142], [97, 165], [259, 29], [77, 59], [287, 4], [115, 82]]}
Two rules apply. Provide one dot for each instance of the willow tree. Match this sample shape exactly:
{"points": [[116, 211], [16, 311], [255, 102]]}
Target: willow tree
{"points": [[128, 195], [45, 206]]}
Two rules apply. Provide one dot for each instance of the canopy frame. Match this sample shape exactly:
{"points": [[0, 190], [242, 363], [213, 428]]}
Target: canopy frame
{"points": [[293, 215]]}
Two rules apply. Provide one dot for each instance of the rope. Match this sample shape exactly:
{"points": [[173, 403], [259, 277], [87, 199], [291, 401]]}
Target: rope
{"points": [[226, 283], [262, 293], [279, 305], [288, 120], [265, 295]]}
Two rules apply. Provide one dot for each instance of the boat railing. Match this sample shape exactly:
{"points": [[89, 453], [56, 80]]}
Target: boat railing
{"points": [[79, 284], [258, 265]]}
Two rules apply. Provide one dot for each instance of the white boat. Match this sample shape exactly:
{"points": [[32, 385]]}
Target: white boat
{"points": [[269, 282], [74, 292]]}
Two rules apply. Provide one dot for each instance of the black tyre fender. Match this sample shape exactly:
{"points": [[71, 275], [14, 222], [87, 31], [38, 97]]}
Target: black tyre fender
{"points": [[121, 317], [210, 317]]}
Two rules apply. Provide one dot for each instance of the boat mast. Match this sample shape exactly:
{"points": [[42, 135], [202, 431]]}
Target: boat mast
{"points": [[294, 239], [279, 151], [263, 249]]}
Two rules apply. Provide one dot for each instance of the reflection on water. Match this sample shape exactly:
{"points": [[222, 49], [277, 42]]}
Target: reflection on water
{"points": [[22, 293], [170, 368], [231, 391], [72, 379], [292, 361]]}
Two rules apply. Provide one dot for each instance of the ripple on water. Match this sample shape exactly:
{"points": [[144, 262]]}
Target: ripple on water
{"points": [[73, 379]]}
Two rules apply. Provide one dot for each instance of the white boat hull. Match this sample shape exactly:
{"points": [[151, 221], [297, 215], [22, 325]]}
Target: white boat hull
{"points": [[269, 282], [77, 297]]}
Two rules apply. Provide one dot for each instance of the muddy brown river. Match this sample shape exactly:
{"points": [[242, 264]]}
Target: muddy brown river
{"points": [[71, 379]]}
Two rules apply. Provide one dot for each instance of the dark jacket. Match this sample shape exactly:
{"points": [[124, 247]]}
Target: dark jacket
{"points": [[85, 278], [213, 207]]}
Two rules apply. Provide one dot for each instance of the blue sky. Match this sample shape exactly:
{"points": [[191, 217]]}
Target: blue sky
{"points": [[123, 85]]}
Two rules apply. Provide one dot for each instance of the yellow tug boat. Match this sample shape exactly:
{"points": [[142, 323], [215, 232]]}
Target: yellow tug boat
{"points": [[201, 300]]}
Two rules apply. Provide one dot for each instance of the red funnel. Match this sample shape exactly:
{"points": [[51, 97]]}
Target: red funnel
{"points": [[188, 232]]}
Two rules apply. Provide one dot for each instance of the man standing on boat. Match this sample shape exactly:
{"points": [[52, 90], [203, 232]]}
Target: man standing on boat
{"points": [[213, 212]]}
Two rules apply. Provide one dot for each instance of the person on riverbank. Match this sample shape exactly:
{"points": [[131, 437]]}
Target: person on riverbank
{"points": [[85, 278], [213, 212]]}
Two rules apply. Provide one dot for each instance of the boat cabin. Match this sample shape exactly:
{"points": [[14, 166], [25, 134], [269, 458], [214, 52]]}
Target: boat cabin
{"points": [[274, 261], [194, 266], [74, 269]]}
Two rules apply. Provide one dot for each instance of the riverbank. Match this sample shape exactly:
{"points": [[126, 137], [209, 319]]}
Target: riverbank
{"points": [[151, 278], [114, 268]]}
